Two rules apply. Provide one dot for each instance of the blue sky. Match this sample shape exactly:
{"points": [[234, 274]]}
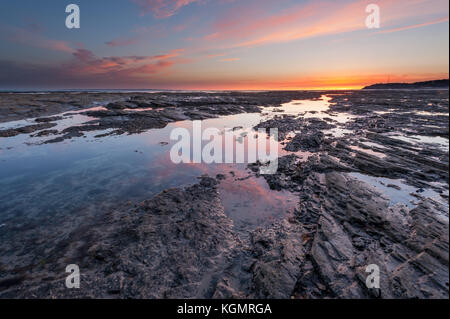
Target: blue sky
{"points": [[222, 44]]}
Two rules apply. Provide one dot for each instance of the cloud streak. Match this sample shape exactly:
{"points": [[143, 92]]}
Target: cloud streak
{"points": [[34, 38], [415, 26], [122, 42], [229, 60], [162, 8], [85, 63], [85, 69], [241, 29]]}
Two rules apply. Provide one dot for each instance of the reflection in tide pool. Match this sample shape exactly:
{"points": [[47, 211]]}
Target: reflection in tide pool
{"points": [[319, 108], [87, 176]]}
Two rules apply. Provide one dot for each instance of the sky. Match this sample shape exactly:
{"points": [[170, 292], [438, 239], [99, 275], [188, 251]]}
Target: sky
{"points": [[221, 44]]}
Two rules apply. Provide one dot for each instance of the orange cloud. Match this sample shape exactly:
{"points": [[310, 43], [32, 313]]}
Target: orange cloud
{"points": [[87, 63], [229, 60]]}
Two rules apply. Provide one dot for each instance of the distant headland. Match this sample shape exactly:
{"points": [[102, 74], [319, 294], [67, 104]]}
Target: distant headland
{"points": [[436, 84]]}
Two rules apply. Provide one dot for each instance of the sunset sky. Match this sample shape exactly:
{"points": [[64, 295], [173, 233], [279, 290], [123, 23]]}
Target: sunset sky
{"points": [[221, 44]]}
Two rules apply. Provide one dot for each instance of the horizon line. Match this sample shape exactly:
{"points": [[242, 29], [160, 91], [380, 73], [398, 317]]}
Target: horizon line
{"points": [[322, 88]]}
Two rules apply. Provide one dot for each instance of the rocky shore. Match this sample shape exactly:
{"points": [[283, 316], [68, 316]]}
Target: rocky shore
{"points": [[128, 112], [373, 190]]}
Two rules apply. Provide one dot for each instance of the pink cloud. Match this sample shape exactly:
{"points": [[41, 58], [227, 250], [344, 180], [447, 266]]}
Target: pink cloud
{"points": [[248, 25], [216, 55], [139, 35], [121, 42], [85, 69], [162, 8], [85, 62], [34, 38]]}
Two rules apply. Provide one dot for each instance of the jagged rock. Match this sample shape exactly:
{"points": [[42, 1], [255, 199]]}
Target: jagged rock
{"points": [[279, 253], [164, 248], [26, 129], [306, 142], [356, 227]]}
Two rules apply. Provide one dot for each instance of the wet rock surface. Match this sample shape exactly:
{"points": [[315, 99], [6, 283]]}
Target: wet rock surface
{"points": [[288, 124], [373, 190], [353, 224], [310, 141], [130, 113], [26, 129], [354, 227], [18, 106], [180, 244]]}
